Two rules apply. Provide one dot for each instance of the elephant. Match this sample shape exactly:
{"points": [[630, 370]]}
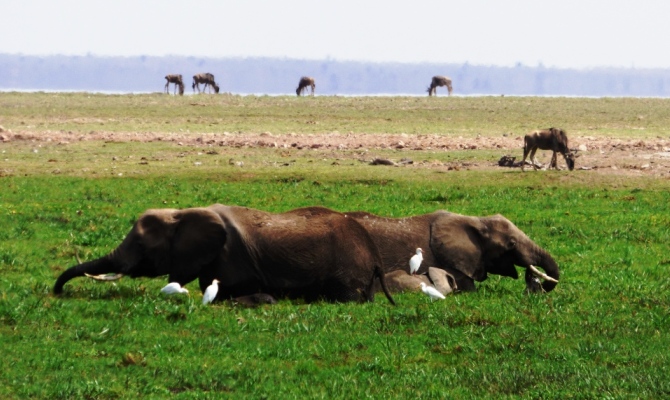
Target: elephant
{"points": [[312, 253], [401, 281], [467, 247]]}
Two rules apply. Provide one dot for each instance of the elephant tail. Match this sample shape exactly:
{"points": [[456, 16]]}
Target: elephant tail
{"points": [[382, 280]]}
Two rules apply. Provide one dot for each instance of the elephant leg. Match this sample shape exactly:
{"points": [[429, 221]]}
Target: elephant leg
{"points": [[463, 282], [336, 290], [254, 300], [182, 277]]}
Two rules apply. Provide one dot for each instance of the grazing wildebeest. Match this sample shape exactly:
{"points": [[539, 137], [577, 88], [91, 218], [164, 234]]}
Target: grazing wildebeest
{"points": [[207, 79], [548, 139], [177, 80], [439, 80], [305, 81]]}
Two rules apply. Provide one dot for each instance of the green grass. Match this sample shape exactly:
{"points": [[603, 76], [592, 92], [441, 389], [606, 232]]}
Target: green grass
{"points": [[601, 334]]}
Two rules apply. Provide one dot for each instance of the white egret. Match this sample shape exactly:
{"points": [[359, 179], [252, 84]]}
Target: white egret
{"points": [[432, 292], [210, 292], [173, 288], [415, 261]]}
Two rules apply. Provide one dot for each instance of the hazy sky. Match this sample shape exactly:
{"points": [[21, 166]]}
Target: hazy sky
{"points": [[565, 33]]}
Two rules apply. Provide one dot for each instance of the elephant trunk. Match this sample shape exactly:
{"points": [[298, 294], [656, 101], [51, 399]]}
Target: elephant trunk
{"points": [[99, 266], [547, 263]]}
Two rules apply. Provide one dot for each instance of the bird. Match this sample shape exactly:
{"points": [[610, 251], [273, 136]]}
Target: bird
{"points": [[210, 292], [432, 292], [415, 261], [173, 288]]}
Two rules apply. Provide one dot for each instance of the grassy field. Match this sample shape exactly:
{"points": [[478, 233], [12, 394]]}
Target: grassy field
{"points": [[601, 334], [467, 116]]}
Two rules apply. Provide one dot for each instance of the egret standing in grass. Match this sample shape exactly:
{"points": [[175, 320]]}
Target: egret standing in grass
{"points": [[415, 261], [210, 292], [173, 288], [433, 293]]}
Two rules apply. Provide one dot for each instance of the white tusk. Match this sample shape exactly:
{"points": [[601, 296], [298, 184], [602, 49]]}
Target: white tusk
{"points": [[541, 274], [105, 277]]}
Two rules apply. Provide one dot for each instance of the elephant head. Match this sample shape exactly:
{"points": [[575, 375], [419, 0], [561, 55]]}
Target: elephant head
{"points": [[477, 246], [467, 247], [177, 243]]}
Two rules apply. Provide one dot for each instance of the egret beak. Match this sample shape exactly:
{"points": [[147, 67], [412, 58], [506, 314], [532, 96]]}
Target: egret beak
{"points": [[541, 274], [105, 277]]}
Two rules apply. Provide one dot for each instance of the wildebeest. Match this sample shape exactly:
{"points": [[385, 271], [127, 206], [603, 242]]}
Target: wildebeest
{"points": [[177, 80], [439, 80], [207, 79], [553, 139], [305, 81]]}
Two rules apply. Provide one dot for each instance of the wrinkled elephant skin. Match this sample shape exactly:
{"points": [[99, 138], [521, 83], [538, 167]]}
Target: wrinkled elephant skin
{"points": [[401, 281], [467, 247], [313, 253]]}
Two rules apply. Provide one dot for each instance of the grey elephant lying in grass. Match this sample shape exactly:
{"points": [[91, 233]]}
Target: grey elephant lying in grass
{"points": [[468, 248], [401, 281], [312, 253]]}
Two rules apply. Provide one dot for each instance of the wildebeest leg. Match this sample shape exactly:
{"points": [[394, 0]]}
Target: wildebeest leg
{"points": [[532, 158], [553, 160], [525, 153]]}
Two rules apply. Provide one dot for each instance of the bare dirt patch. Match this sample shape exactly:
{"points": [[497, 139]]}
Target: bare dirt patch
{"points": [[649, 157]]}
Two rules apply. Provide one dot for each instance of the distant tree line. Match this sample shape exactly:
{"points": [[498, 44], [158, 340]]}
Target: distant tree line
{"points": [[280, 76]]}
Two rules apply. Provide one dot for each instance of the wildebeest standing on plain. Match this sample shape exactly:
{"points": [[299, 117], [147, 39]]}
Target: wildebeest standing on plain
{"points": [[178, 82], [437, 81], [205, 78], [305, 81], [553, 139]]}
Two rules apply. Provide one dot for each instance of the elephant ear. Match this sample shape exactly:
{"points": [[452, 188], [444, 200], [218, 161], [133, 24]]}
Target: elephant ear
{"points": [[457, 243], [155, 228], [443, 281], [180, 242], [199, 236]]}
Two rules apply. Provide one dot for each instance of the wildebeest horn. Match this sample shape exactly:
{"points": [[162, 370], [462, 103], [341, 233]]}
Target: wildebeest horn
{"points": [[541, 274], [105, 277]]}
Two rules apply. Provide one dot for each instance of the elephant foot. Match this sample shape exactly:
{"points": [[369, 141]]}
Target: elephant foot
{"points": [[254, 300]]}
